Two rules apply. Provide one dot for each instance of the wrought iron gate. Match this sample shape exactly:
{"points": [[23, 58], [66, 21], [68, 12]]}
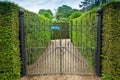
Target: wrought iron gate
{"points": [[61, 48], [57, 54]]}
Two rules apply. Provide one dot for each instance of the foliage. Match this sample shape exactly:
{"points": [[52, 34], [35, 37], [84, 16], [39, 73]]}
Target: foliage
{"points": [[75, 14], [37, 39], [9, 42], [63, 12], [74, 10], [46, 13], [90, 4], [10, 63], [106, 77], [84, 35], [111, 39]]}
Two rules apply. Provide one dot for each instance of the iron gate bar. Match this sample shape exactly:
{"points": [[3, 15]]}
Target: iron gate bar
{"points": [[86, 27], [77, 31], [66, 30], [73, 54], [60, 51], [70, 46], [44, 57], [77, 28], [71, 30], [45, 48], [70, 34], [81, 34]]}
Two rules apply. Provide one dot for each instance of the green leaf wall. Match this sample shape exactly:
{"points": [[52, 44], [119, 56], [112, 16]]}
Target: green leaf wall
{"points": [[10, 61]]}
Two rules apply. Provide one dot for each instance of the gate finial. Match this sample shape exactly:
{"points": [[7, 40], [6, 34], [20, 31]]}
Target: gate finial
{"points": [[21, 12], [100, 10]]}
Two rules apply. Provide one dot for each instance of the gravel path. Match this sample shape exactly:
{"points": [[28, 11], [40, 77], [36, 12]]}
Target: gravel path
{"points": [[61, 77]]}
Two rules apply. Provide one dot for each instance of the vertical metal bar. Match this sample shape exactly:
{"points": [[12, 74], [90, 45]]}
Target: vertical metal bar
{"points": [[72, 60], [99, 43], [80, 63], [71, 25], [42, 49], [86, 43], [38, 26], [81, 35], [45, 46], [68, 58], [76, 47], [61, 48], [70, 45], [34, 48], [55, 47], [22, 42], [64, 52]]}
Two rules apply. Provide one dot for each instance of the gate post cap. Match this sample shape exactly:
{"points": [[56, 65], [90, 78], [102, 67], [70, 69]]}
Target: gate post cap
{"points": [[100, 10], [21, 11]]}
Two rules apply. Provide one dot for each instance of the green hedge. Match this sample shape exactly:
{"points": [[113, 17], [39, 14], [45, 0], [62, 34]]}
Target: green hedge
{"points": [[37, 35], [84, 33], [111, 42], [9, 39], [9, 42]]}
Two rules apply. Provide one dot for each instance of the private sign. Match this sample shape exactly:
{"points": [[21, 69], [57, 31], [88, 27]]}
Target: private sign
{"points": [[55, 27]]}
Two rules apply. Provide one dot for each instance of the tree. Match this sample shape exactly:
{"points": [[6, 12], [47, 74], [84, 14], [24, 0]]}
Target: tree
{"points": [[75, 14], [89, 4], [46, 13], [63, 12]]}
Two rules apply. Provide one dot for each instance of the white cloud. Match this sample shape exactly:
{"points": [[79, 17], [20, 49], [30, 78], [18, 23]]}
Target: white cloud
{"points": [[35, 5]]}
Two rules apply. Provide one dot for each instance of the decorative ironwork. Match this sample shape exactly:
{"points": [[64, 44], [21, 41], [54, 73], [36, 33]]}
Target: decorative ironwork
{"points": [[68, 49]]}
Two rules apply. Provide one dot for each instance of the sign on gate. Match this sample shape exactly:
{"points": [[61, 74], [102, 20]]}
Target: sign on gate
{"points": [[55, 27]]}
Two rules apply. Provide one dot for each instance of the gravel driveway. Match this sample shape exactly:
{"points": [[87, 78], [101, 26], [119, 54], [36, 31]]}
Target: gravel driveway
{"points": [[61, 77]]}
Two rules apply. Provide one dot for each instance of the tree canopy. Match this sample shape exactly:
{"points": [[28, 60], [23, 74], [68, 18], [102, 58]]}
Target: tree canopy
{"points": [[75, 14], [89, 4], [64, 12], [47, 13]]}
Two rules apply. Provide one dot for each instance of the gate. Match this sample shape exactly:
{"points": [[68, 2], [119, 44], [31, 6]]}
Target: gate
{"points": [[60, 48]]}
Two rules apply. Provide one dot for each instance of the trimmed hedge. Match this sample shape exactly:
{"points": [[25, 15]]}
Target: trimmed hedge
{"points": [[10, 63], [111, 42], [37, 35], [84, 34], [9, 42]]}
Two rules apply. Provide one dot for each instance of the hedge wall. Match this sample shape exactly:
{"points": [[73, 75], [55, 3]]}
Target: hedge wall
{"points": [[9, 42], [37, 35], [110, 38], [84, 34], [111, 42], [9, 38]]}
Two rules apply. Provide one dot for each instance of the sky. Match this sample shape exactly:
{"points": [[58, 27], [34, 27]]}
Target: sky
{"points": [[36, 5]]}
